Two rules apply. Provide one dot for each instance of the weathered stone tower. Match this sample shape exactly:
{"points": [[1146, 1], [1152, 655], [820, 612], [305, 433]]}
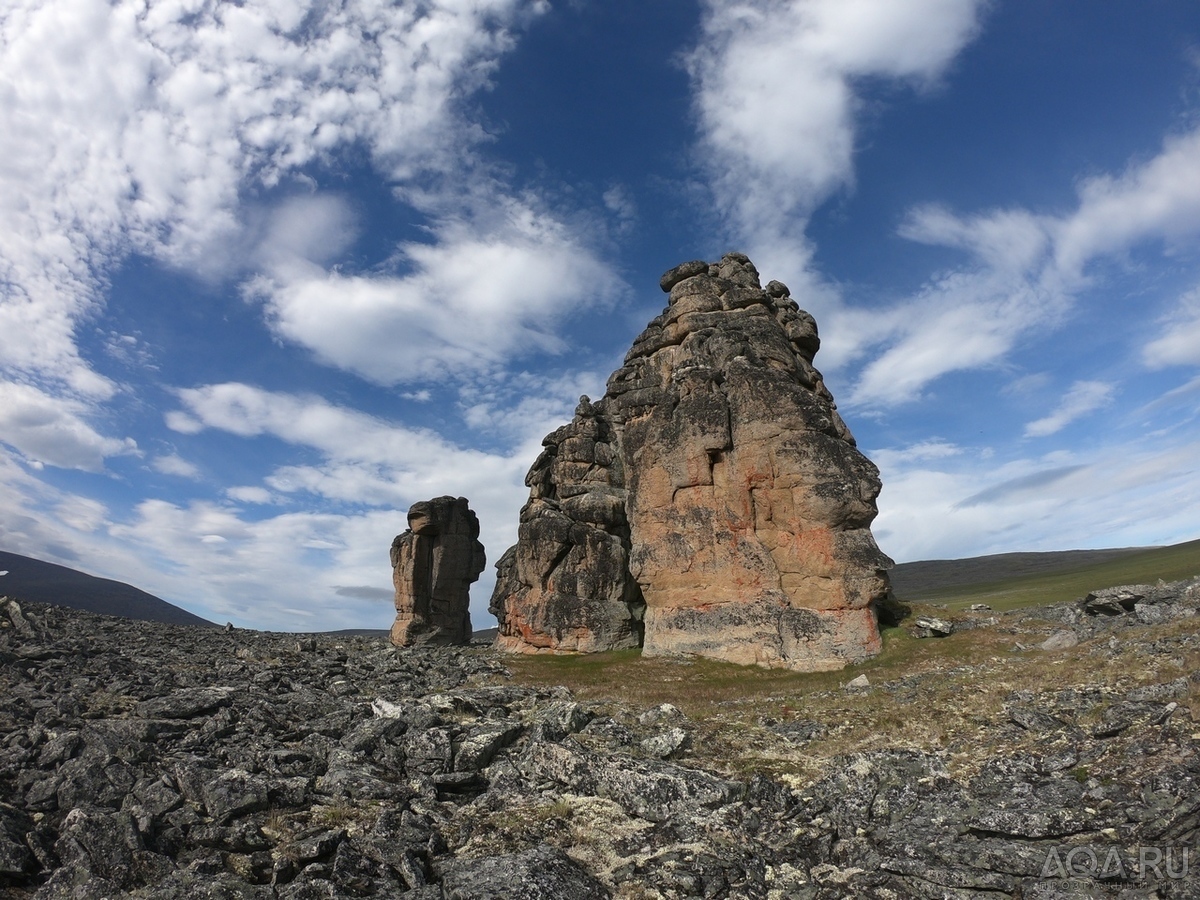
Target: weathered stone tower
{"points": [[712, 503]]}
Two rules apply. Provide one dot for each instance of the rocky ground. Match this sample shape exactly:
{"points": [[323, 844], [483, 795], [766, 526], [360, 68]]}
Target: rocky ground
{"points": [[1040, 754]]}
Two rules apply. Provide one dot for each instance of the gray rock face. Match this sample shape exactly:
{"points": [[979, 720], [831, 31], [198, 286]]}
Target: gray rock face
{"points": [[434, 564], [712, 503]]}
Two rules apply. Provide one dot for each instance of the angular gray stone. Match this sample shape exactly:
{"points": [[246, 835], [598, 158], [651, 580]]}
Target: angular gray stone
{"points": [[542, 873]]}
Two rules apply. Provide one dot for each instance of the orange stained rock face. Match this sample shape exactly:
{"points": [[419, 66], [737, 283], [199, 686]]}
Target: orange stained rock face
{"points": [[807, 550], [738, 498]]}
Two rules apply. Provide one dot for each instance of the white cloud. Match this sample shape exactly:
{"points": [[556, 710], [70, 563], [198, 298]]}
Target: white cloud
{"points": [[934, 448], [1024, 276], [776, 101], [777, 98], [525, 405], [135, 127], [54, 430], [1179, 343], [1157, 199], [1084, 397], [777, 95], [368, 464], [963, 320], [315, 228], [174, 464], [966, 505], [1007, 240], [619, 201], [490, 287], [338, 432], [249, 493]]}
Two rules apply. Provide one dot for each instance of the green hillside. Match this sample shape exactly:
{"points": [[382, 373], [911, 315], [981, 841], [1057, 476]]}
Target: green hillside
{"points": [[1067, 583]]}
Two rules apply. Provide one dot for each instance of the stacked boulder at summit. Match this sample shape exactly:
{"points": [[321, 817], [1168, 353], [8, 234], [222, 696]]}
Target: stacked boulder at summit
{"points": [[434, 564], [712, 503]]}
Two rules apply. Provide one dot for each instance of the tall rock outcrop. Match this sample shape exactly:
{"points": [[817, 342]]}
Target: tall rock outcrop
{"points": [[434, 564], [712, 503]]}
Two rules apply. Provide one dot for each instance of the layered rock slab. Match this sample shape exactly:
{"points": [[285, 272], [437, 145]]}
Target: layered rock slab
{"points": [[434, 564], [719, 470]]}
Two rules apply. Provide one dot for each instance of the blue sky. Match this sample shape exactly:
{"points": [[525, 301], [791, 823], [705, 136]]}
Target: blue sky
{"points": [[272, 272]]}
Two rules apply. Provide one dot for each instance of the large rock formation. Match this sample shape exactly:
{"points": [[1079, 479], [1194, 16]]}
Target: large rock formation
{"points": [[434, 564], [714, 492]]}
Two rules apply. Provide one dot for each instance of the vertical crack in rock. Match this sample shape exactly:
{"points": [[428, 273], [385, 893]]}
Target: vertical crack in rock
{"points": [[434, 564], [713, 492]]}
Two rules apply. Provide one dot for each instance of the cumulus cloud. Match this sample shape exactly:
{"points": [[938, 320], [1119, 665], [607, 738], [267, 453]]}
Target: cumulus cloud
{"points": [[134, 127], [1083, 397], [52, 430], [515, 267]]}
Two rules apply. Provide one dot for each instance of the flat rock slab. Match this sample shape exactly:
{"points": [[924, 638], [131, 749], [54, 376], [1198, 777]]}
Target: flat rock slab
{"points": [[186, 704]]}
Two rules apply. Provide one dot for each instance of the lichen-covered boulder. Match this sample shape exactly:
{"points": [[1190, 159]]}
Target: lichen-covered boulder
{"points": [[718, 467], [434, 564]]}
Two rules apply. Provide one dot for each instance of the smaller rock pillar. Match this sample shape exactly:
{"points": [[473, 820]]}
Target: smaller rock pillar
{"points": [[434, 564]]}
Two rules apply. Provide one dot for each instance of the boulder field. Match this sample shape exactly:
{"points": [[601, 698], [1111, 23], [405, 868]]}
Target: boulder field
{"points": [[140, 760]]}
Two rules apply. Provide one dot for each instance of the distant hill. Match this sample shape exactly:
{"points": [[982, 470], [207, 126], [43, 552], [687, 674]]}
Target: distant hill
{"points": [[937, 574], [43, 582], [1019, 579]]}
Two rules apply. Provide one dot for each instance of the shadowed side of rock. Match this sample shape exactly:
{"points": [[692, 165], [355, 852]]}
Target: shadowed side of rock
{"points": [[434, 564], [719, 470], [565, 584]]}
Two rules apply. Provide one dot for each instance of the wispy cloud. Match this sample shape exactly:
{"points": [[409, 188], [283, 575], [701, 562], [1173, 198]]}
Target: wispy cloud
{"points": [[1179, 341], [776, 98], [1083, 397], [1120, 494], [174, 464], [1025, 274]]}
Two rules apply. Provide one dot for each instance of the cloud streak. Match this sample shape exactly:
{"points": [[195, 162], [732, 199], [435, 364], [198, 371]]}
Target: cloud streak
{"points": [[1025, 275], [1083, 398]]}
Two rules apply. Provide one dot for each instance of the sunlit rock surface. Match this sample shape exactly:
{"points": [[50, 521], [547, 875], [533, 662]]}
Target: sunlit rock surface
{"points": [[713, 502]]}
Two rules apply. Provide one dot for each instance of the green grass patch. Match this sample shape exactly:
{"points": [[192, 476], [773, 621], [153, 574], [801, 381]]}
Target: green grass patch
{"points": [[1139, 567]]}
